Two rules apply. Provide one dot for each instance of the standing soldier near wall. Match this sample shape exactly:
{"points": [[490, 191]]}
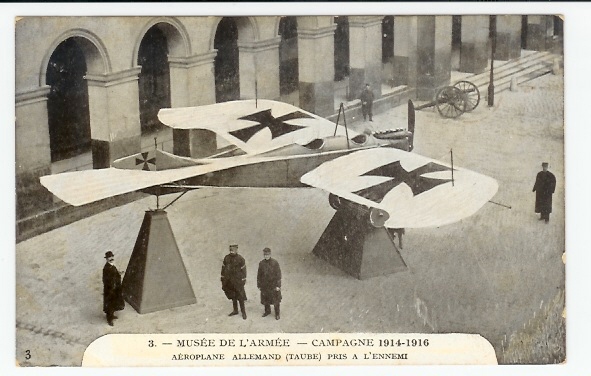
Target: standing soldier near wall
{"points": [[367, 102]]}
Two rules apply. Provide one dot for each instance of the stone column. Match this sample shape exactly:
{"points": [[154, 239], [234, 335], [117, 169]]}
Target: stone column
{"points": [[192, 83], [365, 56], [259, 64], [316, 64], [474, 53], [32, 126], [114, 116], [33, 154], [508, 37], [402, 35], [429, 55], [540, 30]]}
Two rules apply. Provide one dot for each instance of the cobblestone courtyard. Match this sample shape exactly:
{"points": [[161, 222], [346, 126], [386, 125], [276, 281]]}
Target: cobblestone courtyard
{"points": [[488, 274]]}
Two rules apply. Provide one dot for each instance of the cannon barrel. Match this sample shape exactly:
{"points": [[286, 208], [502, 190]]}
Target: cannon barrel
{"points": [[426, 105]]}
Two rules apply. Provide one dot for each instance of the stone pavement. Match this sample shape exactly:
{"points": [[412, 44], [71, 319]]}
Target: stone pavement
{"points": [[487, 274]]}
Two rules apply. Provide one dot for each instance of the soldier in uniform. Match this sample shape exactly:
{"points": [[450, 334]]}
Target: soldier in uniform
{"points": [[112, 292], [269, 282], [233, 280], [367, 102], [544, 188]]}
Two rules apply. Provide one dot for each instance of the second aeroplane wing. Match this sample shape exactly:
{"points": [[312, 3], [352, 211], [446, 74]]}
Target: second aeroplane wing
{"points": [[414, 190], [255, 126]]}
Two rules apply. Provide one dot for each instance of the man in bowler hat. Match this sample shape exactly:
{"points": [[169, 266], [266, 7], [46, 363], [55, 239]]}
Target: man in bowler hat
{"points": [[233, 280], [544, 188], [112, 292], [269, 282]]}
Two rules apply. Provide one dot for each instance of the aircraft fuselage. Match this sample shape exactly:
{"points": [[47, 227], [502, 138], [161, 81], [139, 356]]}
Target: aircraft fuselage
{"points": [[284, 168]]}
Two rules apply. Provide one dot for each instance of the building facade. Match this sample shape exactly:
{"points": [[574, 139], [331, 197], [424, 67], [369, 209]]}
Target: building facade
{"points": [[92, 86]]}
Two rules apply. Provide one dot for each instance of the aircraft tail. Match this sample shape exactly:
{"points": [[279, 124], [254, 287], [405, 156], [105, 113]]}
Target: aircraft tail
{"points": [[153, 160]]}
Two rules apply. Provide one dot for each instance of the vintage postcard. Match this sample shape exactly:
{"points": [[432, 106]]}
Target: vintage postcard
{"points": [[252, 190]]}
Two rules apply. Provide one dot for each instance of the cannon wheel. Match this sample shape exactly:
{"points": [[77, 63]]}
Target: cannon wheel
{"points": [[471, 93], [450, 102]]}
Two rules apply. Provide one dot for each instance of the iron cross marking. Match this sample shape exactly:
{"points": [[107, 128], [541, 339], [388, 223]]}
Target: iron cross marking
{"points": [[417, 183], [277, 126], [145, 161]]}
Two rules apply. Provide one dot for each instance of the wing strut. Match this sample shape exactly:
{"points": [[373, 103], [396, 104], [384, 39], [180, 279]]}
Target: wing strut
{"points": [[342, 109], [173, 201], [498, 203]]}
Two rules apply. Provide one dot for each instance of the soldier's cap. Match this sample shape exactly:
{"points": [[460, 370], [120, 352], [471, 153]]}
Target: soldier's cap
{"points": [[267, 251], [109, 254], [233, 245], [545, 164]]}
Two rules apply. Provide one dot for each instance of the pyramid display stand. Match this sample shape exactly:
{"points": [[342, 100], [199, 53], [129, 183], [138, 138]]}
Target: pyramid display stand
{"points": [[156, 277]]}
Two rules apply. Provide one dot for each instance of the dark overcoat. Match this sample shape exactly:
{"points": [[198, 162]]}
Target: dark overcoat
{"points": [[234, 276], [367, 97], [268, 278], [112, 292], [544, 188]]}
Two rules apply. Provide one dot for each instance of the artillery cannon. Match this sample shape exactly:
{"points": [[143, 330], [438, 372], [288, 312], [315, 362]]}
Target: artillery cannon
{"points": [[453, 101]]}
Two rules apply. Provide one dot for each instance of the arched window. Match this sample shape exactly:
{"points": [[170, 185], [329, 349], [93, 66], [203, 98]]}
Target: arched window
{"points": [[288, 55], [67, 102], [341, 48], [154, 79], [227, 76], [387, 39]]}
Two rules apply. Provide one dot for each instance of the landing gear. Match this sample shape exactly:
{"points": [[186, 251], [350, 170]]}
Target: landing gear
{"points": [[334, 201]]}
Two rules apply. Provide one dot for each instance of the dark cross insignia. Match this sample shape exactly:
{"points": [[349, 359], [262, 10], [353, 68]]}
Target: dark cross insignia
{"points": [[266, 120], [417, 183], [145, 161]]}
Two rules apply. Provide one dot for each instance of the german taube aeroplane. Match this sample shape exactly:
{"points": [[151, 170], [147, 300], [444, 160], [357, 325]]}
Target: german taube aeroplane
{"points": [[274, 144]]}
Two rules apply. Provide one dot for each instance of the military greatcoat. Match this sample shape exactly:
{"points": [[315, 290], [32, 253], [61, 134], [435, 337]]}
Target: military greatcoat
{"points": [[544, 188], [234, 276], [268, 278]]}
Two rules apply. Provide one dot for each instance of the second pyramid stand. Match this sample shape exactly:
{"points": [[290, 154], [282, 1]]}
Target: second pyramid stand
{"points": [[351, 243]]}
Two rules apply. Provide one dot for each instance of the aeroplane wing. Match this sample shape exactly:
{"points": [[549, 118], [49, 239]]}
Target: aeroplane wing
{"points": [[83, 187], [129, 174], [255, 126], [415, 191]]}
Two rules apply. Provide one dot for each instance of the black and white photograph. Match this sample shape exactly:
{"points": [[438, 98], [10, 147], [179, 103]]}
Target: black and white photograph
{"points": [[368, 181]]}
